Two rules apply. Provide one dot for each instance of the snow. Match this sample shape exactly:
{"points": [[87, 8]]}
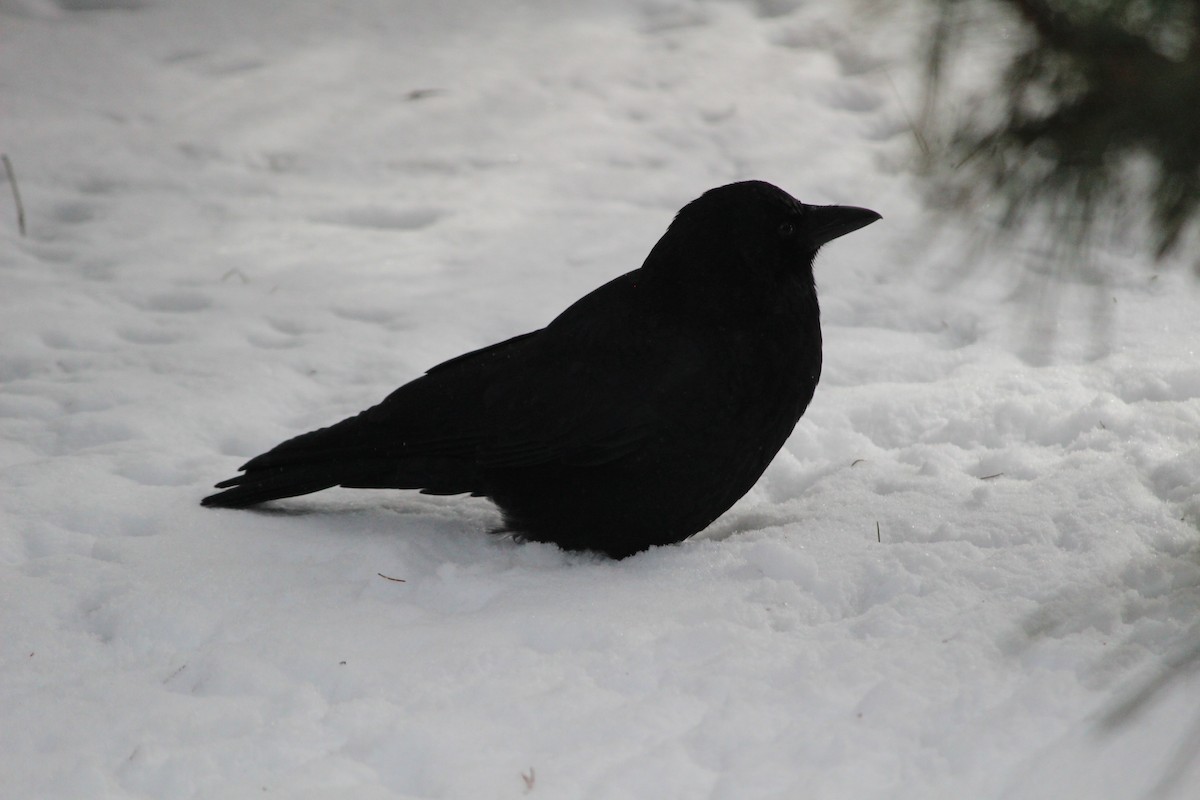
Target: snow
{"points": [[250, 219]]}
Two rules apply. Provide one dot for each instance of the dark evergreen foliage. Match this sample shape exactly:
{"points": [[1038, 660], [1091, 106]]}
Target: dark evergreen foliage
{"points": [[1100, 111]]}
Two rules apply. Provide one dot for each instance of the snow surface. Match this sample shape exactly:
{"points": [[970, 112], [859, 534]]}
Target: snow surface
{"points": [[248, 219]]}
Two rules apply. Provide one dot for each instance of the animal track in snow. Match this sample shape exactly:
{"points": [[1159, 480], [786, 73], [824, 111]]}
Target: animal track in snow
{"points": [[175, 302], [769, 9], [272, 341], [101, 5], [854, 61], [851, 97], [74, 212], [149, 335], [882, 128], [282, 333], [292, 326], [374, 315], [69, 340], [99, 185], [383, 218], [664, 17]]}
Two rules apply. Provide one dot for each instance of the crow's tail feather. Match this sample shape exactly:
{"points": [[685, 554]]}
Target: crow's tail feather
{"points": [[367, 451], [430, 475], [274, 483]]}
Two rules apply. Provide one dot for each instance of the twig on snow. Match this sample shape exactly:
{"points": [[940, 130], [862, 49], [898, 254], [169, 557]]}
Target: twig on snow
{"points": [[16, 192]]}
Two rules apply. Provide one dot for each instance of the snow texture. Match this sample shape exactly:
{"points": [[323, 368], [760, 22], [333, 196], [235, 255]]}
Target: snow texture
{"points": [[248, 219]]}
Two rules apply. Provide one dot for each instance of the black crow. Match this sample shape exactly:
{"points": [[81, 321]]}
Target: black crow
{"points": [[635, 418]]}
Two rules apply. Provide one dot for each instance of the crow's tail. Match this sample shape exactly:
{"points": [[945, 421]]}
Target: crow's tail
{"points": [[430, 475], [272, 483], [350, 454]]}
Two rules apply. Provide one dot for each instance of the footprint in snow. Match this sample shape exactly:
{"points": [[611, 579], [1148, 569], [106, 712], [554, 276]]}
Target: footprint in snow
{"points": [[74, 213], [291, 327], [852, 97], [176, 302], [382, 218], [374, 315], [101, 5], [769, 9], [149, 335]]}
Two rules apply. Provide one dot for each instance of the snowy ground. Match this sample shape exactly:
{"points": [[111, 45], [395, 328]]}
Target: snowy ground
{"points": [[250, 219]]}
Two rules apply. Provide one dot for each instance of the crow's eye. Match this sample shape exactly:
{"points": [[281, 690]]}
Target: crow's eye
{"points": [[786, 229]]}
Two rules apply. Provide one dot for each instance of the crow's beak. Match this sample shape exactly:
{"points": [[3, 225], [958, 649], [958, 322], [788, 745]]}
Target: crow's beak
{"points": [[826, 223]]}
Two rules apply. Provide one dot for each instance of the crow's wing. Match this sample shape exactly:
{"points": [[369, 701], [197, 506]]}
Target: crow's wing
{"points": [[590, 389], [586, 390]]}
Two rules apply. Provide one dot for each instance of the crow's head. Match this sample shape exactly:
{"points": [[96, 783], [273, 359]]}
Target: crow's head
{"points": [[747, 240]]}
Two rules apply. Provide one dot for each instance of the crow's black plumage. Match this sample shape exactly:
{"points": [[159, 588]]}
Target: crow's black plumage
{"points": [[635, 418]]}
